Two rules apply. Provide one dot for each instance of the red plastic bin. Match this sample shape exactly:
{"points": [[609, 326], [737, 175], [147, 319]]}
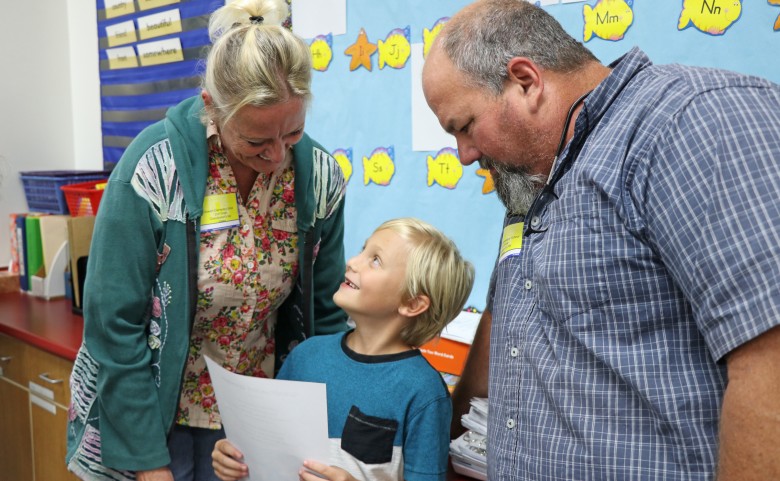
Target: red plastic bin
{"points": [[84, 198], [42, 187]]}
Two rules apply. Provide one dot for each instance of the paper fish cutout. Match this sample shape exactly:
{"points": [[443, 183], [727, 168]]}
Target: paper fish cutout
{"points": [[361, 52], [709, 16], [488, 186], [321, 52], [608, 19], [777, 20], [344, 159], [395, 50], [430, 35], [445, 169], [379, 167]]}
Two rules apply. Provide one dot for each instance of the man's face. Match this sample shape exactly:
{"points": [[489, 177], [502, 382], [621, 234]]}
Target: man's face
{"points": [[499, 132]]}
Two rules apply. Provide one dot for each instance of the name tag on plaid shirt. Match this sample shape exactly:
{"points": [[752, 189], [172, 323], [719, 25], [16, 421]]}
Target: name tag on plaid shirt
{"points": [[511, 241]]}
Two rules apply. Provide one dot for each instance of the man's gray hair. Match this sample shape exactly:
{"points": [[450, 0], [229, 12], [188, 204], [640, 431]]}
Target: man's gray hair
{"points": [[482, 42]]}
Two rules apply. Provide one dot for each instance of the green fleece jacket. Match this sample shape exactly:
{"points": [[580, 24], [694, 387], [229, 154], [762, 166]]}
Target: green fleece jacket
{"points": [[127, 375]]}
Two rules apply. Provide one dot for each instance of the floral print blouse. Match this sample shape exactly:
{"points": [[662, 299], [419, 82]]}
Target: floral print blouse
{"points": [[245, 274]]}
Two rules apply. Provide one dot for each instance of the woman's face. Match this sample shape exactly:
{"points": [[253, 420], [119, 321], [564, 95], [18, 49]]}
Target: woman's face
{"points": [[259, 137]]}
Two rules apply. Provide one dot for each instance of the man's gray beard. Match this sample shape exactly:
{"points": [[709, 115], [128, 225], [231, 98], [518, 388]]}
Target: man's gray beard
{"points": [[516, 188]]}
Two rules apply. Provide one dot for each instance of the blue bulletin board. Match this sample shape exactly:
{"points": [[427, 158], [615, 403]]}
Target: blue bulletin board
{"points": [[150, 54], [366, 116]]}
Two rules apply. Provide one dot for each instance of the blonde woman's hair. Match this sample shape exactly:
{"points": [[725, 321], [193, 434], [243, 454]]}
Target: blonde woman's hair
{"points": [[436, 269], [254, 60]]}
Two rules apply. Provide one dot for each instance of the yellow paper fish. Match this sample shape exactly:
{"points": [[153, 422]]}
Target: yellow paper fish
{"points": [[777, 20], [709, 16], [395, 50], [379, 168], [445, 169], [321, 52], [488, 186], [608, 19], [430, 35], [344, 159]]}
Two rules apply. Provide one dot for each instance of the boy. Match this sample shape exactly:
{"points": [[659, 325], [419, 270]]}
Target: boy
{"points": [[388, 409]]}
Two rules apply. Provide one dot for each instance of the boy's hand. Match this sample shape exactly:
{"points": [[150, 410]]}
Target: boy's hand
{"points": [[324, 471], [225, 459]]}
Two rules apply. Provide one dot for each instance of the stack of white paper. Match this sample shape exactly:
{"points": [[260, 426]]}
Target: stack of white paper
{"points": [[463, 327], [469, 451]]}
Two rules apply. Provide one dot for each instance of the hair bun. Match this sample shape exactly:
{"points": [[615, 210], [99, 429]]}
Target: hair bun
{"points": [[270, 12], [243, 12]]}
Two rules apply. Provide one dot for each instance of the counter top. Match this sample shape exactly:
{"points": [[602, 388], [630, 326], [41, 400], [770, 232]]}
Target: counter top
{"points": [[48, 325]]}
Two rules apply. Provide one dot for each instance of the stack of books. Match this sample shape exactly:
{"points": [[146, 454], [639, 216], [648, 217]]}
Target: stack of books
{"points": [[469, 451]]}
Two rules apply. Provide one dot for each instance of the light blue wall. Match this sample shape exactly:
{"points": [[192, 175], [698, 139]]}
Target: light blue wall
{"points": [[364, 110]]}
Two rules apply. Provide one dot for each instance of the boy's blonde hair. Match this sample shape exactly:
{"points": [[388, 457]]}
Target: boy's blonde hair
{"points": [[435, 269]]}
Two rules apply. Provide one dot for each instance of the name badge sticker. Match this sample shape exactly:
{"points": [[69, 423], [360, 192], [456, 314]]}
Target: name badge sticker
{"points": [[220, 211], [511, 241]]}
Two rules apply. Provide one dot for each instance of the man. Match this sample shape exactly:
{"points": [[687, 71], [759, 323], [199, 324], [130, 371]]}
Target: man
{"points": [[635, 322]]}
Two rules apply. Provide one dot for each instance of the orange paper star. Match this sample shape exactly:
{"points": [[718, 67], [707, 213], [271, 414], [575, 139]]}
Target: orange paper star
{"points": [[361, 52], [488, 186]]}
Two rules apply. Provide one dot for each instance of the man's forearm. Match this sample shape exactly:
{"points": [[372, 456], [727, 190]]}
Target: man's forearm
{"points": [[750, 417], [474, 379]]}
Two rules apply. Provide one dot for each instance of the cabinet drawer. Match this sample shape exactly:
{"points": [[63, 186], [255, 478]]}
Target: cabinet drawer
{"points": [[12, 354], [50, 372]]}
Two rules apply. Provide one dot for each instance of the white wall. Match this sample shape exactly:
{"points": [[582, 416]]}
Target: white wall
{"points": [[49, 96]]}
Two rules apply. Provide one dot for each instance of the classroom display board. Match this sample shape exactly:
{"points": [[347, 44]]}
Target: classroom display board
{"points": [[369, 111], [368, 108], [150, 55]]}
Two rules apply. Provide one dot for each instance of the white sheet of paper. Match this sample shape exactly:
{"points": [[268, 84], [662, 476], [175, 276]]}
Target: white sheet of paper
{"points": [[276, 424], [463, 327], [319, 17], [427, 133]]}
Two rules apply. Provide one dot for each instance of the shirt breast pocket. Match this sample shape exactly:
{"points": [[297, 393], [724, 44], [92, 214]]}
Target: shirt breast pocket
{"points": [[368, 438], [570, 267]]}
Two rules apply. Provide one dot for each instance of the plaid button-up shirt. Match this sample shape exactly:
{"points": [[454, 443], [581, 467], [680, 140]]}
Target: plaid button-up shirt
{"points": [[660, 255]]}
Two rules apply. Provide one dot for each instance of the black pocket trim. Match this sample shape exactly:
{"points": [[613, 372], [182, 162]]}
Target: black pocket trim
{"points": [[369, 439]]}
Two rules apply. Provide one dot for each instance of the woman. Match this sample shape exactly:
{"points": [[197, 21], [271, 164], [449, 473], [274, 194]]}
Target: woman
{"points": [[205, 245]]}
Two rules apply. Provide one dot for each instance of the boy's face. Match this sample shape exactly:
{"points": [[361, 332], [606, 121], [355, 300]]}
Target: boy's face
{"points": [[374, 278]]}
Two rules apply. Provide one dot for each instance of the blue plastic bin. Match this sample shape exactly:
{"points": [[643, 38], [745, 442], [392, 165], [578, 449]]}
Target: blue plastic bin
{"points": [[42, 188]]}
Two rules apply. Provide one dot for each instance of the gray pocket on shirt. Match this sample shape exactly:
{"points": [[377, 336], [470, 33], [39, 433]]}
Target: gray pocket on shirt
{"points": [[570, 265]]}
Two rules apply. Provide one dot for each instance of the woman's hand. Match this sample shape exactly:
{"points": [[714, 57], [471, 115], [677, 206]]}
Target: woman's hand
{"points": [[225, 459], [159, 474], [324, 471]]}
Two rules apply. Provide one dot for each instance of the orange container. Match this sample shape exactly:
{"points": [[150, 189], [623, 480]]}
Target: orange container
{"points": [[84, 198], [446, 355]]}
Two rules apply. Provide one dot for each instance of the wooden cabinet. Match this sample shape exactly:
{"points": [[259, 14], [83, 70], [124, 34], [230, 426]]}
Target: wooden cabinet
{"points": [[49, 432], [33, 416], [16, 448]]}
